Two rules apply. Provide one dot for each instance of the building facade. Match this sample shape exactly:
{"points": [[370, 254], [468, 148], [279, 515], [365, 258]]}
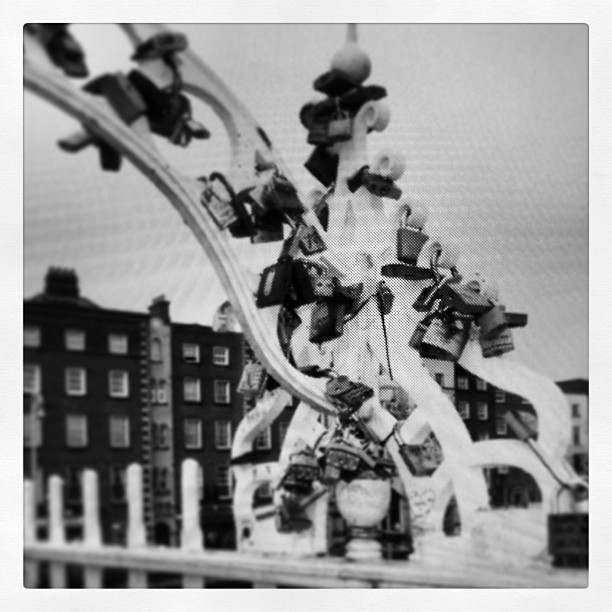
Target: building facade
{"points": [[577, 393]]}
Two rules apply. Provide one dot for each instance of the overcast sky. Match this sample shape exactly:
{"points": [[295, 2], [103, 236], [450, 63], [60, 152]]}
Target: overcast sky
{"points": [[492, 120]]}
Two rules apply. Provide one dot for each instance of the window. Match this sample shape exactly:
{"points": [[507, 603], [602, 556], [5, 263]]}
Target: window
{"points": [[32, 430], [117, 344], [464, 410], [74, 340], [483, 435], [156, 350], [576, 436], [220, 355], [223, 482], [75, 381], [575, 410], [31, 336], [501, 425], [500, 396], [191, 353], [283, 428], [118, 483], [191, 389], [463, 383], [223, 434], [481, 385], [264, 439], [161, 435], [31, 378], [118, 383], [162, 392], [439, 378], [222, 392], [76, 430], [161, 479], [119, 431], [483, 411], [192, 430], [73, 484]]}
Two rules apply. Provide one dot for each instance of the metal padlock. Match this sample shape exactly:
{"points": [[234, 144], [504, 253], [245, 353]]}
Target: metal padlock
{"points": [[275, 283], [356, 181], [327, 321], [280, 194], [303, 285], [288, 322], [221, 211], [492, 322], [410, 241], [301, 472], [347, 395], [419, 332], [385, 298], [323, 165], [253, 380], [381, 186], [498, 345], [318, 133], [428, 296], [160, 45], [268, 226], [323, 282], [309, 240], [290, 516], [121, 94], [444, 339], [417, 459], [340, 127], [464, 299], [516, 319], [339, 457]]}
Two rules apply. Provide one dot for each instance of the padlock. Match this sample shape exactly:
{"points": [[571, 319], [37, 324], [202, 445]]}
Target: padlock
{"points": [[516, 319], [492, 322], [290, 516], [340, 127], [279, 194], [356, 181], [347, 395], [427, 298], [303, 285], [335, 83], [381, 186], [288, 322], [350, 295], [356, 98], [318, 133], [63, 49], [301, 472], [323, 282], [323, 165], [385, 298], [464, 299], [327, 321], [309, 240], [268, 226], [568, 534], [121, 94], [160, 45], [221, 211], [419, 461], [341, 459], [275, 283], [498, 345], [444, 339], [410, 240], [419, 332], [253, 380]]}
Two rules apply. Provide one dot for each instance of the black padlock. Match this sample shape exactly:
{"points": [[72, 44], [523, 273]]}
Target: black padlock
{"points": [[350, 295], [327, 321], [356, 98], [301, 472], [275, 284], [280, 195], [63, 49], [356, 181], [160, 45], [381, 186], [253, 380], [323, 282], [121, 94], [268, 225], [288, 322], [341, 459], [410, 241], [516, 319], [385, 298], [347, 395], [303, 286], [323, 165], [419, 332], [444, 339], [428, 296], [318, 134]]}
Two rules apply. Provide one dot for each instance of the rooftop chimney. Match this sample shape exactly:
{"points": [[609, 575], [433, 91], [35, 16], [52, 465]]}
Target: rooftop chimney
{"points": [[160, 307], [62, 282]]}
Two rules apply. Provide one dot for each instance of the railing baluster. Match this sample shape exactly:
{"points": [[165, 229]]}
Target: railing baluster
{"points": [[136, 535], [191, 532], [91, 526], [57, 535], [30, 568]]}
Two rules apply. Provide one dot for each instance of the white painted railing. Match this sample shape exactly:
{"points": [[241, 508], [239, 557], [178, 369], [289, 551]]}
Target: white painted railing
{"points": [[446, 566]]}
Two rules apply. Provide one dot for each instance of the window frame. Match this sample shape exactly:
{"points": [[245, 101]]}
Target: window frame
{"points": [[500, 396], [27, 331], [463, 383], [228, 432], [125, 386], [124, 432], [481, 385], [501, 425], [263, 440], [575, 411], [70, 335], [479, 413], [464, 415], [82, 391], [118, 343], [36, 373], [155, 350], [193, 347], [216, 400], [70, 418], [218, 485], [197, 397], [198, 433], [225, 361]]}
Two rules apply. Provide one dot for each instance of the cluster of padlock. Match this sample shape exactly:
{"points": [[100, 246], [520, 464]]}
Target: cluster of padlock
{"points": [[330, 120], [61, 47], [134, 95]]}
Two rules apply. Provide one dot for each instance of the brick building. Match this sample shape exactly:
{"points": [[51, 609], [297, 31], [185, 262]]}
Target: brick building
{"points": [[577, 392]]}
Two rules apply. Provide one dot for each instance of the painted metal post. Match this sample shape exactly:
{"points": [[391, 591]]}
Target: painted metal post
{"points": [[30, 568], [57, 571], [91, 525], [136, 534], [191, 532]]}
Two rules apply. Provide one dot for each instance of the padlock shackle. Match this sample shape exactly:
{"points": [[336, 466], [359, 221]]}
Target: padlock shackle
{"points": [[405, 215]]}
